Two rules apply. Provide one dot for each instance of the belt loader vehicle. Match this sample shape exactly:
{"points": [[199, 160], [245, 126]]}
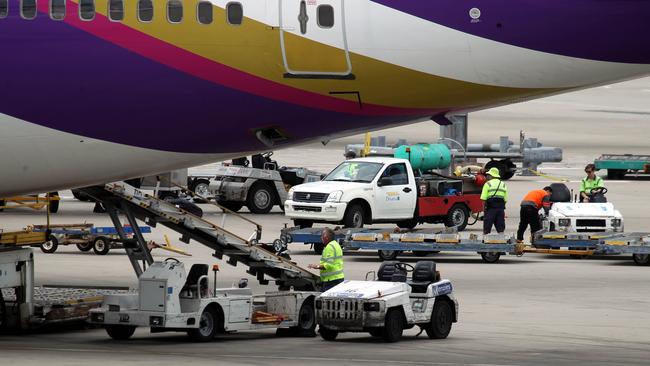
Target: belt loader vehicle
{"points": [[386, 307]]}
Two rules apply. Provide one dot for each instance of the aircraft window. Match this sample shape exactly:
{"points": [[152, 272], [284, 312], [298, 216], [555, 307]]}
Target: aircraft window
{"points": [[57, 9], [87, 9], [204, 12], [325, 16], [28, 9], [116, 10], [4, 8], [174, 11], [145, 10], [235, 13]]}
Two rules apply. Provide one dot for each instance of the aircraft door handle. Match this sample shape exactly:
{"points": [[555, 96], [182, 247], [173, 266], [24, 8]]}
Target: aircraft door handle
{"points": [[407, 189]]}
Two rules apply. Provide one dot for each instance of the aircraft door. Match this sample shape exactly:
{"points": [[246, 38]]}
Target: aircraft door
{"points": [[313, 41]]}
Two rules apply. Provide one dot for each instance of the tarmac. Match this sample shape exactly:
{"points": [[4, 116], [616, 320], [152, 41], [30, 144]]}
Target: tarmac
{"points": [[530, 310]]}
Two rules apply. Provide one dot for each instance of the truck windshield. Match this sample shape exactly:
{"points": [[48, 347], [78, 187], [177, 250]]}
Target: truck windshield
{"points": [[354, 171]]}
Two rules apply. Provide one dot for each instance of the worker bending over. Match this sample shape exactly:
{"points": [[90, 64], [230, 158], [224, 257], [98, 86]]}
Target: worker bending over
{"points": [[529, 212], [494, 196], [331, 261], [589, 183]]}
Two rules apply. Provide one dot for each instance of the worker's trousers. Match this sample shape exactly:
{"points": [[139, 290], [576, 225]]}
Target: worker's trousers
{"points": [[528, 215], [329, 284], [495, 215]]}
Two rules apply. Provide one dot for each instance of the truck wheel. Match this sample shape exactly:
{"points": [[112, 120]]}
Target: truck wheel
{"points": [[207, 327], [50, 245], [260, 198], [388, 255], [318, 248], [85, 247], [641, 259], [200, 187], [54, 204], [407, 224], [328, 334], [393, 326], [457, 216], [615, 174], [490, 257], [101, 245], [231, 205], [376, 332], [354, 216], [302, 223], [306, 320], [441, 319], [120, 332]]}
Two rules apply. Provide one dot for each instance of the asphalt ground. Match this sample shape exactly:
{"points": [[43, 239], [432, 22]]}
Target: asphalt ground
{"points": [[530, 310]]}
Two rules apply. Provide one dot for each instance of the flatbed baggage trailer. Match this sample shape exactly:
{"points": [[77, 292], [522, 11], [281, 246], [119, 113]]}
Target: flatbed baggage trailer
{"points": [[85, 236], [390, 243], [618, 165], [637, 244]]}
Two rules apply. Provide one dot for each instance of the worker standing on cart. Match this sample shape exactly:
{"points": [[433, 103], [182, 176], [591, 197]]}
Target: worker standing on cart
{"points": [[590, 182], [331, 261], [529, 212], [494, 196]]}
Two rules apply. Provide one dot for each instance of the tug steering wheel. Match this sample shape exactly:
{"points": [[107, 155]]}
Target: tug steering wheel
{"points": [[404, 267], [598, 190]]}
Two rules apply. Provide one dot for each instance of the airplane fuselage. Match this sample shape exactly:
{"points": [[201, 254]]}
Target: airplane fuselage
{"points": [[104, 94]]}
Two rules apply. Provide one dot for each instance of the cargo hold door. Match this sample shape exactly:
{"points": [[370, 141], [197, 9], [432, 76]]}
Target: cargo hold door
{"points": [[313, 41]]}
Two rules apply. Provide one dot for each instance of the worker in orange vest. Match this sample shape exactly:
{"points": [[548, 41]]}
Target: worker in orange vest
{"points": [[529, 213]]}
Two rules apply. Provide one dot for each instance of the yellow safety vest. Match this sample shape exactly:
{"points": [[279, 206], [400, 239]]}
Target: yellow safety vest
{"points": [[332, 262], [494, 188], [588, 184]]}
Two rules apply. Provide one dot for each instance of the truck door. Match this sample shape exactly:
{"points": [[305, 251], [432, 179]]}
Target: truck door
{"points": [[312, 37], [395, 197]]}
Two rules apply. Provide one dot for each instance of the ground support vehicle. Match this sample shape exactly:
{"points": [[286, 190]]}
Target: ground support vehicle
{"points": [[169, 299], [619, 165], [637, 244], [392, 303], [85, 236], [24, 306], [35, 202], [384, 190], [389, 243], [259, 189]]}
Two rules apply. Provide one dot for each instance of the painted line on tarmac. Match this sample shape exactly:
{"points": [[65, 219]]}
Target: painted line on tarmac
{"points": [[287, 358]]}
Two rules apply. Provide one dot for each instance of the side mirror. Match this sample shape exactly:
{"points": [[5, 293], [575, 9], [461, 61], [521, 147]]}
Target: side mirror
{"points": [[384, 181]]}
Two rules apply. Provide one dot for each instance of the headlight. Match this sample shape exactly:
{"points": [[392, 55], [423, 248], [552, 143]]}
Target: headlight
{"points": [[97, 317], [564, 222], [335, 196], [616, 222], [156, 321], [371, 306], [290, 195]]}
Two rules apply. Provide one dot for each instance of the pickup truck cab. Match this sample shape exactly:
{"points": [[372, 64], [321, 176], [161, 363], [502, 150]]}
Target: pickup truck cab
{"points": [[375, 190]]}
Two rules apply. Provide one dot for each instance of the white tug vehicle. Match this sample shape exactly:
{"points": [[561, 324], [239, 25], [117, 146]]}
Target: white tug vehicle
{"points": [[389, 305], [572, 217]]}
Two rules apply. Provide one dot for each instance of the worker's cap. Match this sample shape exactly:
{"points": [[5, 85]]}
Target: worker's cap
{"points": [[494, 172]]}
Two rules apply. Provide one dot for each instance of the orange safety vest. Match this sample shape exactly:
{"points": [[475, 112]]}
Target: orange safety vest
{"points": [[538, 197]]}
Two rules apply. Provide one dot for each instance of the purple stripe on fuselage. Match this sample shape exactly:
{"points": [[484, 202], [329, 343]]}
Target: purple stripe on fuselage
{"points": [[604, 30], [60, 77]]}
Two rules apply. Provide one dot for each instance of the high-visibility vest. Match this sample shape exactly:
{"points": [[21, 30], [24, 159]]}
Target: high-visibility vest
{"points": [[332, 262], [494, 188], [588, 184], [537, 198]]}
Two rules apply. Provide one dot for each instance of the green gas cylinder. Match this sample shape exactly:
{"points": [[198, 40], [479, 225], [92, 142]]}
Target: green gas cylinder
{"points": [[425, 157]]}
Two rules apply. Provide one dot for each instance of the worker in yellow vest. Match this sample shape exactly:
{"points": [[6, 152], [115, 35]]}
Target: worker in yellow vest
{"points": [[331, 261], [495, 196]]}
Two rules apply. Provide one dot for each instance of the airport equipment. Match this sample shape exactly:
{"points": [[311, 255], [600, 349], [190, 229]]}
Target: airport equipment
{"points": [[393, 302], [619, 165], [503, 155], [170, 299], [258, 187], [390, 243], [24, 306], [35, 202], [84, 236], [374, 190]]}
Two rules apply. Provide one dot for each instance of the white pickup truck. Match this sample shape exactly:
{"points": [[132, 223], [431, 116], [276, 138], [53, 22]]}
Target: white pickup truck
{"points": [[372, 190]]}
